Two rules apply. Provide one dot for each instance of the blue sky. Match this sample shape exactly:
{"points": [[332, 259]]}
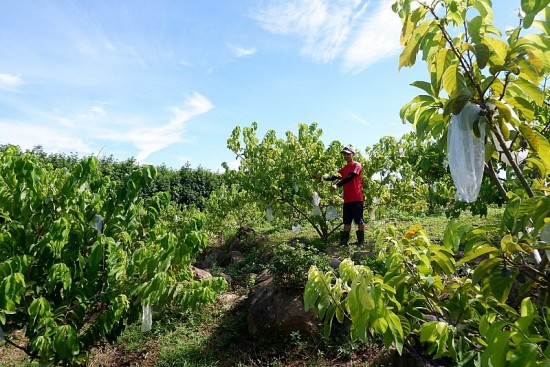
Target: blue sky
{"points": [[167, 81]]}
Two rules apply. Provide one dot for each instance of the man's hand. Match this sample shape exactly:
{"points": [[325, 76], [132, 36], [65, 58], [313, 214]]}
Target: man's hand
{"points": [[334, 187]]}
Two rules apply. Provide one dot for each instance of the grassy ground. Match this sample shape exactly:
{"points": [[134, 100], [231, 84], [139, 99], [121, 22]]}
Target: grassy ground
{"points": [[217, 335]]}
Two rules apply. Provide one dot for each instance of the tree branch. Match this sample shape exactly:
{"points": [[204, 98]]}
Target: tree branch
{"points": [[492, 174], [512, 161]]}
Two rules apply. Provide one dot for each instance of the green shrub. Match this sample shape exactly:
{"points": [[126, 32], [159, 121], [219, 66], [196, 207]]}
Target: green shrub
{"points": [[291, 262]]}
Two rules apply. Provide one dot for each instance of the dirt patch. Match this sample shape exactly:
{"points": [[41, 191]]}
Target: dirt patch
{"points": [[118, 356]]}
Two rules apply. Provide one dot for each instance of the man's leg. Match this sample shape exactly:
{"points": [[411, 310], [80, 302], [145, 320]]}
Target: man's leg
{"points": [[347, 216], [344, 237], [358, 217], [360, 237]]}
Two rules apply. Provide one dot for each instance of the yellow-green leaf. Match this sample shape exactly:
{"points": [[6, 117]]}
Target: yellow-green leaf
{"points": [[450, 79], [499, 49], [523, 106], [533, 6], [509, 246], [440, 63], [530, 89], [482, 250], [503, 110], [538, 142]]}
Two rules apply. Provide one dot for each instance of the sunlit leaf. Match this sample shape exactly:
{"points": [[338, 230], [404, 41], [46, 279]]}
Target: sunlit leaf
{"points": [[538, 142], [530, 89], [523, 106], [450, 79], [498, 48], [482, 55]]}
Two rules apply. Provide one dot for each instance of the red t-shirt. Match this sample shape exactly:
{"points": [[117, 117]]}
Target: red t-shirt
{"points": [[353, 190]]}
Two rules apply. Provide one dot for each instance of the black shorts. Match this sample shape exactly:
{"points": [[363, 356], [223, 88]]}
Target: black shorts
{"points": [[353, 212]]}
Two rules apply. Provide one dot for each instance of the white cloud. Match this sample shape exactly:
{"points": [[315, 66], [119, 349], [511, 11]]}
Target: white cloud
{"points": [[241, 51], [377, 39], [52, 139], [337, 29], [323, 25], [149, 140], [98, 111], [80, 132], [359, 119], [10, 81], [95, 113]]}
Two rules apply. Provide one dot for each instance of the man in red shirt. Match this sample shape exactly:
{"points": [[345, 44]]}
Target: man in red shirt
{"points": [[350, 181]]}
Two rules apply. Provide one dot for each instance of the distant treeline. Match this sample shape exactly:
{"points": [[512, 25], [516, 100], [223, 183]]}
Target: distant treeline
{"points": [[187, 186]]}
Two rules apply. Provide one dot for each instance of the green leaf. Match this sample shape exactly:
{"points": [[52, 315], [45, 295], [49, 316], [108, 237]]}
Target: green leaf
{"points": [[499, 50], [409, 53], [450, 80], [530, 89], [498, 345], [538, 143], [429, 331], [94, 260], [528, 20], [397, 331], [499, 283], [310, 294], [533, 6], [452, 236], [366, 299], [443, 258], [11, 289], [38, 311], [484, 267], [425, 86], [503, 110], [485, 322], [474, 29], [523, 106], [59, 273], [442, 61], [461, 100], [479, 251], [65, 341], [482, 55], [525, 355], [544, 25], [528, 71]]}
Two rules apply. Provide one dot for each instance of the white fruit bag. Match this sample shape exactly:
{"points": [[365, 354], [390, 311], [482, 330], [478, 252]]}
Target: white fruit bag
{"points": [[97, 223], [269, 214], [466, 153], [332, 214], [316, 200], [146, 318]]}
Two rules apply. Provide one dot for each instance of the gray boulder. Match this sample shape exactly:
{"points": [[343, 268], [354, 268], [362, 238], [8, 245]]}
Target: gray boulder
{"points": [[273, 309]]}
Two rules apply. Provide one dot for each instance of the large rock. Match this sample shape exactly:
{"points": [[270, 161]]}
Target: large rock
{"points": [[200, 274], [272, 309], [213, 256]]}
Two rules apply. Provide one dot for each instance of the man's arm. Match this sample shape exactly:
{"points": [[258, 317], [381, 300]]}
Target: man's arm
{"points": [[328, 177], [347, 179]]}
